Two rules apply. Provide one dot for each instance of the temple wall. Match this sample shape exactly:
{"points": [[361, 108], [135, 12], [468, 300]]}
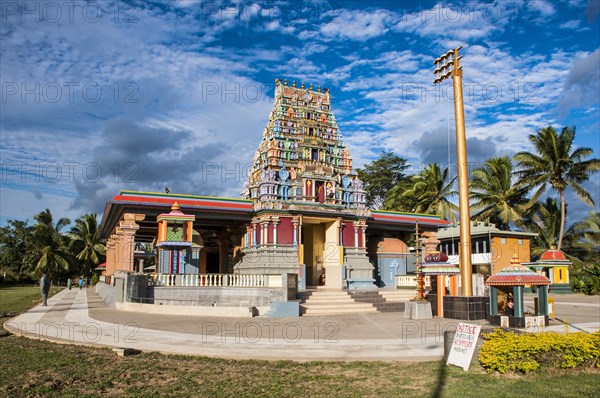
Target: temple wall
{"points": [[269, 260], [285, 231], [348, 234], [107, 293], [217, 296]]}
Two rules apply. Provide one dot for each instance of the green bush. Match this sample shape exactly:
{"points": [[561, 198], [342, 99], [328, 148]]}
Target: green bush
{"points": [[586, 285], [507, 351], [586, 279], [8, 277]]}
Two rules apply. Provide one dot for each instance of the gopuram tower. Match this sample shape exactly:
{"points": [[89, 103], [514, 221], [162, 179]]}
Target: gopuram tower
{"points": [[309, 208]]}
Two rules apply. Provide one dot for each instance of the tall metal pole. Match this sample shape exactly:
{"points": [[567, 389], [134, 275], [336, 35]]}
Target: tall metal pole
{"points": [[420, 278], [449, 65]]}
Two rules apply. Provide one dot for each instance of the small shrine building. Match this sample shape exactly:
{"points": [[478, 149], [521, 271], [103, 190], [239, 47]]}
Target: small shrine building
{"points": [[554, 265]]}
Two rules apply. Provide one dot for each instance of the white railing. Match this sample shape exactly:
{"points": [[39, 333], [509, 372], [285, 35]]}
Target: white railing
{"points": [[218, 280], [411, 281]]}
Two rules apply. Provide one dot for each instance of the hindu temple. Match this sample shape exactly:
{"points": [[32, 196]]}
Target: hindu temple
{"points": [[303, 211]]}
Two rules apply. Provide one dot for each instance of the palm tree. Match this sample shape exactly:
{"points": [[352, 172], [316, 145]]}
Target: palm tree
{"points": [[586, 249], [495, 195], [586, 236], [430, 190], [395, 199], [49, 245], [558, 164], [86, 244], [543, 219]]}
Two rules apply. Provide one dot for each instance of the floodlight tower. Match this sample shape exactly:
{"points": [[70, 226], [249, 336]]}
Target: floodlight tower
{"points": [[448, 65]]}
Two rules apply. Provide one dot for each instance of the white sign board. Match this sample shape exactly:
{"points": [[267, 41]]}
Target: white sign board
{"points": [[463, 345]]}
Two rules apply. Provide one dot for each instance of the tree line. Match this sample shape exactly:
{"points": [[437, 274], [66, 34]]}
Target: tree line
{"points": [[507, 192], [27, 250]]}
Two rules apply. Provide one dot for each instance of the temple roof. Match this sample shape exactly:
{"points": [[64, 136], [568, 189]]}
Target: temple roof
{"points": [[479, 228], [302, 159], [439, 269], [516, 275], [436, 263], [388, 245], [217, 212], [550, 258], [553, 256], [393, 217], [175, 215]]}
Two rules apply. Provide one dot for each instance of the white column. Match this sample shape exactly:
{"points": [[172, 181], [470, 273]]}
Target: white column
{"points": [[275, 221], [295, 224], [254, 226], [265, 233], [364, 236]]}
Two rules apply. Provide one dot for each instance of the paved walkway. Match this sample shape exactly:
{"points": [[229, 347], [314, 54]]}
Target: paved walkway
{"points": [[81, 317]]}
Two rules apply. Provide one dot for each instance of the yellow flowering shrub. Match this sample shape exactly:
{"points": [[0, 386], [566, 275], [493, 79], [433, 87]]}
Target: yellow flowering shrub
{"points": [[504, 351]]}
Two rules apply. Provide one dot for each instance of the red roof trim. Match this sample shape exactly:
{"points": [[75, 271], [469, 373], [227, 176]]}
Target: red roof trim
{"points": [[411, 219], [183, 202]]}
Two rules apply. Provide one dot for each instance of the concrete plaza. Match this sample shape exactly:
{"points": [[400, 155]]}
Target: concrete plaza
{"points": [[81, 317]]}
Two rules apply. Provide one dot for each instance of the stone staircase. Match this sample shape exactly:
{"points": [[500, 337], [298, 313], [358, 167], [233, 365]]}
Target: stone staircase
{"points": [[324, 302], [397, 295], [338, 302], [380, 303]]}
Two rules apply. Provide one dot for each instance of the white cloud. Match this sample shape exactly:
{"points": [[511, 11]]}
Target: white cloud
{"points": [[275, 26], [357, 25], [572, 24], [459, 23], [543, 7]]}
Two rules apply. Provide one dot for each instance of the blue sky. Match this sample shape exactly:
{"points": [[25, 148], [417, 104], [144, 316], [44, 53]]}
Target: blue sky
{"points": [[102, 96]]}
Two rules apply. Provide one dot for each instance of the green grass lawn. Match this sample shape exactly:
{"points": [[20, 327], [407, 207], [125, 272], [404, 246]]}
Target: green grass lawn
{"points": [[17, 299], [37, 368]]}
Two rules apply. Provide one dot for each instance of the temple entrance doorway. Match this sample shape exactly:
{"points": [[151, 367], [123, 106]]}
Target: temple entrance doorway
{"points": [[320, 242], [313, 240], [212, 261]]}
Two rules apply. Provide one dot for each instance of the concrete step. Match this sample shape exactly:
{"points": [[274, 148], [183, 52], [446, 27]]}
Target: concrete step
{"points": [[336, 302], [333, 303], [336, 311], [390, 307], [335, 306], [328, 300], [392, 303], [377, 299], [323, 293], [397, 295], [365, 294]]}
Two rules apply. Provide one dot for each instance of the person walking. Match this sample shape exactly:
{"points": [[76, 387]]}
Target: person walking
{"points": [[80, 282], [69, 283], [44, 287]]}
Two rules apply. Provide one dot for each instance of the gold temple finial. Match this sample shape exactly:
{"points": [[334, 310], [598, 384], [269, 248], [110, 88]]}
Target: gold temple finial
{"points": [[515, 259], [310, 87], [294, 83], [319, 88], [175, 206], [302, 85], [285, 82]]}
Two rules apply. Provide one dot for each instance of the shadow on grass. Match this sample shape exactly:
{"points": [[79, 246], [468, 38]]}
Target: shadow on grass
{"points": [[441, 380]]}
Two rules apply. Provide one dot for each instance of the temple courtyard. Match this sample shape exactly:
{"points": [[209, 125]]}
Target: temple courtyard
{"points": [[81, 317]]}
